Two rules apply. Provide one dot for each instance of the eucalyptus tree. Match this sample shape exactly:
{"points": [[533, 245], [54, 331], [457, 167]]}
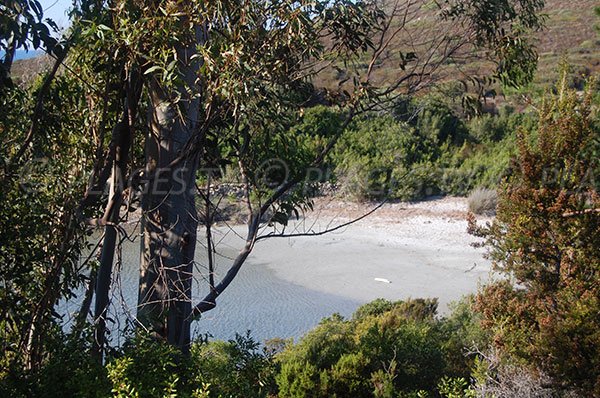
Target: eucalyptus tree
{"points": [[182, 87], [225, 81]]}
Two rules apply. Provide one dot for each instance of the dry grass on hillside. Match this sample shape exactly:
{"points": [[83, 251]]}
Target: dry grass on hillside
{"points": [[570, 34]]}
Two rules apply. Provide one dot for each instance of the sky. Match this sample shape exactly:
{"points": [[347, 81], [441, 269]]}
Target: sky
{"points": [[57, 11]]}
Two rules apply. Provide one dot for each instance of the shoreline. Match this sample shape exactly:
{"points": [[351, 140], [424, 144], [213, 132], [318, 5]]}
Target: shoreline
{"points": [[288, 285], [422, 248]]}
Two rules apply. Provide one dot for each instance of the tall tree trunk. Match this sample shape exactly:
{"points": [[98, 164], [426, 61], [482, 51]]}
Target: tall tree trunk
{"points": [[104, 276], [169, 219], [122, 140]]}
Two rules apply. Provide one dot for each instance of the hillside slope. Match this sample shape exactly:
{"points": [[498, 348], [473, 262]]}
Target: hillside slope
{"points": [[570, 34]]}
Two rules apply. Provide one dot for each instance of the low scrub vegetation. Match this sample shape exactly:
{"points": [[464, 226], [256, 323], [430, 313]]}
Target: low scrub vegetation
{"points": [[424, 147], [386, 349], [483, 201]]}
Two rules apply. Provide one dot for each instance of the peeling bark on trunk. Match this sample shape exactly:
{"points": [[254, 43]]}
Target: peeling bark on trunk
{"points": [[169, 219]]}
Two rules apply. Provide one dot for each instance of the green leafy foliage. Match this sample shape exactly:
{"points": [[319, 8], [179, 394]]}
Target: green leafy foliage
{"points": [[455, 388], [237, 368], [148, 368], [425, 149], [70, 370], [387, 349], [462, 333], [378, 157], [41, 237], [22, 27]]}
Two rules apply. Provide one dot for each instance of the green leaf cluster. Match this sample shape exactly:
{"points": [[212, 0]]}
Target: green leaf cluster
{"points": [[41, 237], [387, 349]]}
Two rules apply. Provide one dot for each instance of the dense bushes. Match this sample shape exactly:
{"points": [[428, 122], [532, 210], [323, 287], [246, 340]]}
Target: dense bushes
{"points": [[145, 367], [42, 178], [545, 238], [380, 156], [423, 148], [239, 367], [386, 350], [235, 368]]}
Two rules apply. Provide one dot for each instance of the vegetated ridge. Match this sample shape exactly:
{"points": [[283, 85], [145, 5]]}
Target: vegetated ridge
{"points": [[570, 34]]}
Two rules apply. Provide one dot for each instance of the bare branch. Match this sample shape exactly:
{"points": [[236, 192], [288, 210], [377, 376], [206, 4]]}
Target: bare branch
{"points": [[325, 231]]}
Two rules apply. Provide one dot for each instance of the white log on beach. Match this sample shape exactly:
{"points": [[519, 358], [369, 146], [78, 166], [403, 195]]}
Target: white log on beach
{"points": [[383, 280]]}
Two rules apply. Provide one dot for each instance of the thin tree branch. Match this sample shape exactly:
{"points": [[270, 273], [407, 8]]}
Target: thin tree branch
{"points": [[325, 231]]}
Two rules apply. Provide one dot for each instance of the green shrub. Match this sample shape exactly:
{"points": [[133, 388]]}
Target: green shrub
{"points": [[68, 370], [374, 308], [226, 369], [380, 157], [147, 368], [476, 165], [386, 349], [462, 333], [494, 128], [439, 123], [236, 368], [424, 149], [455, 388]]}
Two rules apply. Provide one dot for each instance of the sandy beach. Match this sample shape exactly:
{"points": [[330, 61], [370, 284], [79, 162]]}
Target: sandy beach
{"points": [[402, 250], [287, 285]]}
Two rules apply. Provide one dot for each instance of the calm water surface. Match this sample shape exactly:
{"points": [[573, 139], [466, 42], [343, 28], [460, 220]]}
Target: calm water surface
{"points": [[256, 300]]}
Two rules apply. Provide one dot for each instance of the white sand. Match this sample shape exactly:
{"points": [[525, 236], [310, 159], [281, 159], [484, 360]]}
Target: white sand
{"points": [[422, 249]]}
